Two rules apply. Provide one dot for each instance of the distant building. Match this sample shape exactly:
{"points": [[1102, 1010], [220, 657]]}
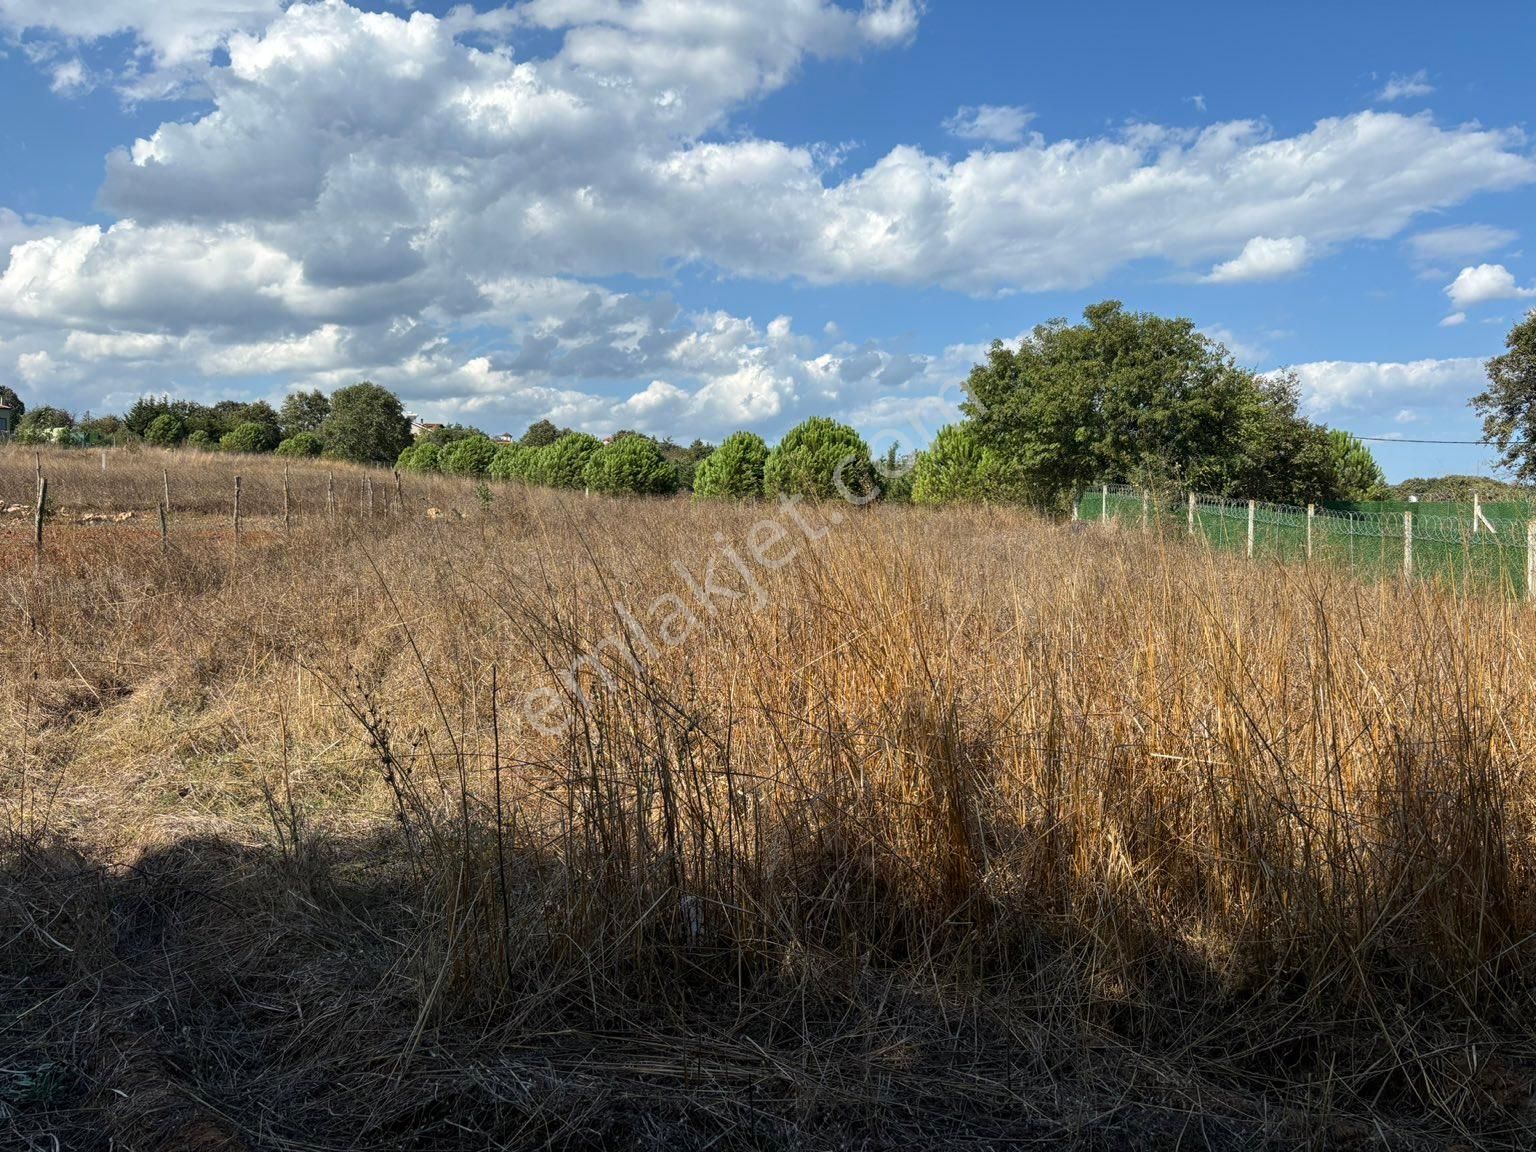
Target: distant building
{"points": [[7, 419]]}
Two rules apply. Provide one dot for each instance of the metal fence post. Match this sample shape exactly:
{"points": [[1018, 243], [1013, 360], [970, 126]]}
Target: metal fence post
{"points": [[1191, 513], [1407, 545], [1143, 509], [1530, 560], [1251, 506], [1311, 511], [237, 511], [1104, 504]]}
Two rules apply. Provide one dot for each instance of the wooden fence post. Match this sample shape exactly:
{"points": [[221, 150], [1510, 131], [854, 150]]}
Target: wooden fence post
{"points": [[1143, 509], [1104, 505], [1477, 511], [165, 535], [330, 493], [1191, 514], [103, 459], [1311, 512], [237, 510], [37, 515], [165, 479], [1407, 545], [1251, 506], [287, 502], [399, 496], [368, 485]]}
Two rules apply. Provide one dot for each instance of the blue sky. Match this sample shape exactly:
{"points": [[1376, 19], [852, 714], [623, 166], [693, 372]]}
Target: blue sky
{"points": [[695, 215]]}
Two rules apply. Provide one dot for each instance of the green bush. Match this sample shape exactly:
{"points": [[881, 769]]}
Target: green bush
{"points": [[166, 431], [421, 458], [511, 462], [733, 471], [470, 456], [631, 465], [560, 465], [250, 437], [820, 459], [301, 444], [951, 470], [45, 425], [199, 440]]}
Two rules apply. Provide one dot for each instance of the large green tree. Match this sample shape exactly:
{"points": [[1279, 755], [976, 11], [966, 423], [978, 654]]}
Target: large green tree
{"points": [[561, 464], [541, 434], [1508, 404], [251, 436], [468, 456], [630, 465], [734, 470], [166, 431], [41, 422], [820, 458], [1359, 476], [1147, 399], [303, 412], [366, 425], [18, 409]]}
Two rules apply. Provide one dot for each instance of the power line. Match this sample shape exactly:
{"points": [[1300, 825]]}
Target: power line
{"points": [[1407, 440]]}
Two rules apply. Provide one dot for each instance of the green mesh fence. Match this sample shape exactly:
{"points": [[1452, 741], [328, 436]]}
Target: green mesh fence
{"points": [[1368, 539]]}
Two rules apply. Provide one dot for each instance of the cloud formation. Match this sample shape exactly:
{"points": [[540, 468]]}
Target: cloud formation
{"points": [[425, 201], [996, 123], [1406, 87], [1263, 258], [1484, 282], [1336, 387]]}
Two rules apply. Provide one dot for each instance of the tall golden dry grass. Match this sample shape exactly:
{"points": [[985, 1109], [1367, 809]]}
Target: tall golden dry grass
{"points": [[580, 822]]}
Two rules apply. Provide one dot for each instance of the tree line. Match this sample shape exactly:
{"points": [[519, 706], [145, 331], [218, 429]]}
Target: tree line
{"points": [[1122, 397]]}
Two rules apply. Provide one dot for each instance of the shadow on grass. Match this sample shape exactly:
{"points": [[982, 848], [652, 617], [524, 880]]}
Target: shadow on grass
{"points": [[216, 996]]}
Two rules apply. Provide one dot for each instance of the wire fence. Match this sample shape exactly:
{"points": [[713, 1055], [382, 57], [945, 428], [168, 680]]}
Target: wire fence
{"points": [[1482, 546]]}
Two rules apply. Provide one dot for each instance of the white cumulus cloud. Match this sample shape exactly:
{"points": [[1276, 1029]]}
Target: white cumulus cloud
{"points": [[1333, 386], [1484, 282], [1263, 258]]}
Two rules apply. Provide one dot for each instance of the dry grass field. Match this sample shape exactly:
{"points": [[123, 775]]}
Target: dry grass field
{"points": [[578, 823]]}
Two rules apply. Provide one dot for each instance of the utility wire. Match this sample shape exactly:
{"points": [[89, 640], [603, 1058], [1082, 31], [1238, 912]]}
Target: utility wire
{"points": [[1407, 440]]}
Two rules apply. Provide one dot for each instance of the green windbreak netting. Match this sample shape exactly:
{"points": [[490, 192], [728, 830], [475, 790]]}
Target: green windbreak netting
{"points": [[1449, 544]]}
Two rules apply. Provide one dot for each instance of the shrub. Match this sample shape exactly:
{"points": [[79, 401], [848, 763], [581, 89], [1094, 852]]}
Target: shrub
{"points": [[511, 462], [166, 431], [631, 465], [199, 440], [560, 465], [817, 456], [734, 470], [37, 426], [951, 470], [250, 437], [301, 444], [421, 458], [470, 456]]}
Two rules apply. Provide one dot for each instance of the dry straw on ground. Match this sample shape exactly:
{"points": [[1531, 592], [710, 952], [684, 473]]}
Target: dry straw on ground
{"points": [[977, 830]]}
